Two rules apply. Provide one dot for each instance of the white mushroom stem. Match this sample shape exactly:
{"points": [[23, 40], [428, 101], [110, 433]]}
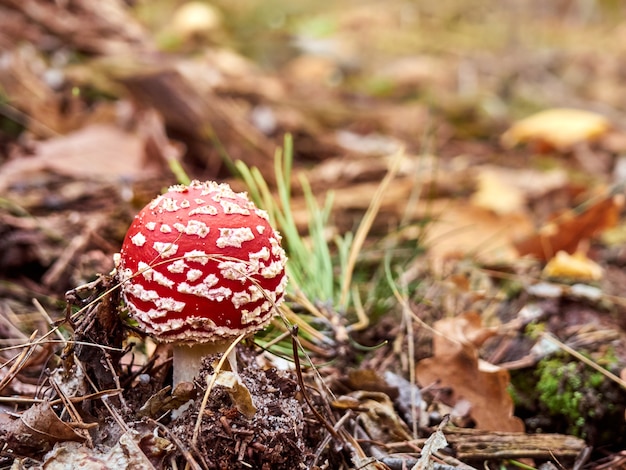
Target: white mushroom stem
{"points": [[188, 359]]}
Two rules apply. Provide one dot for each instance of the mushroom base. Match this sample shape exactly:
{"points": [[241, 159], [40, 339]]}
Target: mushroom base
{"points": [[188, 359]]}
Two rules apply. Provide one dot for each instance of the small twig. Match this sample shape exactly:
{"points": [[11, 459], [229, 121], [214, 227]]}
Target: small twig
{"points": [[105, 399], [296, 358], [74, 415], [41, 341], [34, 125], [46, 317], [116, 380], [191, 461], [19, 361], [586, 360], [30, 401]]}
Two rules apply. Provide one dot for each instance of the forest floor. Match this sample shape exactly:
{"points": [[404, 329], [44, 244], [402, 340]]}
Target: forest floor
{"points": [[449, 181]]}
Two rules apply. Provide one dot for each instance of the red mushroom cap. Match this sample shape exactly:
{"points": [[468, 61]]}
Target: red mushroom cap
{"points": [[201, 263]]}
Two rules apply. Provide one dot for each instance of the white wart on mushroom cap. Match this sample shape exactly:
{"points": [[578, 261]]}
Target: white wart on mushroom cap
{"points": [[201, 263]]}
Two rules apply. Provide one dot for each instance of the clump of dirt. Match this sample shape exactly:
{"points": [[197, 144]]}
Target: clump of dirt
{"points": [[278, 436]]}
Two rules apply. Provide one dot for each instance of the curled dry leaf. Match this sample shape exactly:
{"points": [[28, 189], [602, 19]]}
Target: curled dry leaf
{"points": [[456, 365], [433, 444], [163, 401], [37, 430], [380, 421], [559, 128], [566, 231], [239, 394]]}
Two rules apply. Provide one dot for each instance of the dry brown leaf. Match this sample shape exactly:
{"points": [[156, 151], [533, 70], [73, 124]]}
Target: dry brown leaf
{"points": [[559, 128], [576, 267], [565, 232], [379, 418], [463, 229], [163, 400], [433, 444], [37, 430], [98, 151], [455, 364], [369, 380], [239, 394]]}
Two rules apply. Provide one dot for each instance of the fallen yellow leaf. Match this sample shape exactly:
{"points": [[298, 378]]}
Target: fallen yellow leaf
{"points": [[576, 266], [559, 128]]}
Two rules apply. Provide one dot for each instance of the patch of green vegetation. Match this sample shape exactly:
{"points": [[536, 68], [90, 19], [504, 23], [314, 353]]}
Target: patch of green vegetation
{"points": [[575, 393], [595, 379], [563, 395], [534, 330], [560, 388]]}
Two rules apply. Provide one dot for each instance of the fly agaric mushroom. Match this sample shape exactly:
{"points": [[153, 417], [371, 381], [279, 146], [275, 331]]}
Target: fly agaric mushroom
{"points": [[200, 266]]}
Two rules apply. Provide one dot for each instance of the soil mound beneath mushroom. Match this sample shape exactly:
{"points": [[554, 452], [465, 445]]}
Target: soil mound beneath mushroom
{"points": [[278, 436]]}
